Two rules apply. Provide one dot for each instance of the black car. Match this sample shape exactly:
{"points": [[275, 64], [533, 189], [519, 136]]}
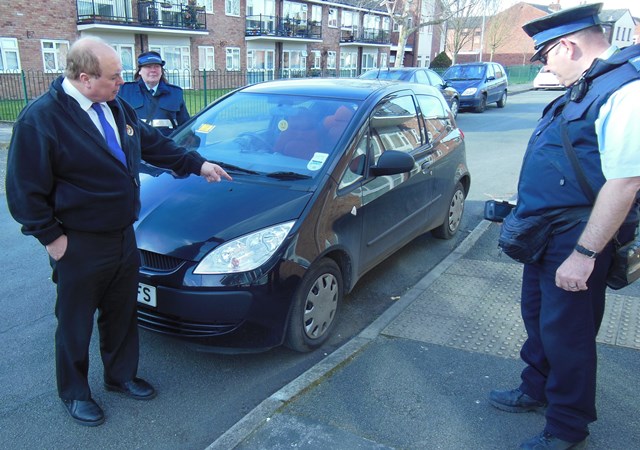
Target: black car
{"points": [[418, 75], [479, 84], [330, 177]]}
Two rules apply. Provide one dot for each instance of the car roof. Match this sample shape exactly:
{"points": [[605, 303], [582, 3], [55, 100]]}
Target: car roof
{"points": [[345, 88]]}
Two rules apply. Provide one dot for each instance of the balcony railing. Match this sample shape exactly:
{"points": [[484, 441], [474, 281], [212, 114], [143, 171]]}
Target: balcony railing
{"points": [[261, 25], [366, 35], [147, 13]]}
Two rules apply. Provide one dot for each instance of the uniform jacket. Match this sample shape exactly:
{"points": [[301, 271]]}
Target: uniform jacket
{"points": [[169, 99], [547, 179], [61, 174]]}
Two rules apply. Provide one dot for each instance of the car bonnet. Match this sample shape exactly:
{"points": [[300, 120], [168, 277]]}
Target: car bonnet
{"points": [[187, 218]]}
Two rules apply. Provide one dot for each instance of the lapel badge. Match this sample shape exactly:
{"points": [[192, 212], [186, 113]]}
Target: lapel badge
{"points": [[129, 130]]}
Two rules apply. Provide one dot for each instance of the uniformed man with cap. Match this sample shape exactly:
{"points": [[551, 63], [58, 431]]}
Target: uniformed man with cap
{"points": [[563, 293], [155, 100]]}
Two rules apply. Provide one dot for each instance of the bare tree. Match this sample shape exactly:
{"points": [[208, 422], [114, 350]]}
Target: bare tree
{"points": [[499, 27], [404, 16]]}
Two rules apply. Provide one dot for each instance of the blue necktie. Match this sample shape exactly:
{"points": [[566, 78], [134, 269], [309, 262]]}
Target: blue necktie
{"points": [[110, 135]]}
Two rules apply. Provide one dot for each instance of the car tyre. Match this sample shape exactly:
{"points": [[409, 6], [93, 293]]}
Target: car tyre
{"points": [[503, 100], [450, 227], [315, 306], [455, 106], [482, 105]]}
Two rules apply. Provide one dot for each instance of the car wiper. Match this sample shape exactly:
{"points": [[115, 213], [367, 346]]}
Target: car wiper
{"points": [[288, 176], [232, 168]]}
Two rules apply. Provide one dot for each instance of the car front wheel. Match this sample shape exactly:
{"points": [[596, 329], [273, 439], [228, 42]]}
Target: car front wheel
{"points": [[452, 222], [482, 105], [455, 106], [315, 305]]}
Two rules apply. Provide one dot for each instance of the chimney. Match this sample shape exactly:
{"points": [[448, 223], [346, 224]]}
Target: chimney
{"points": [[555, 7]]}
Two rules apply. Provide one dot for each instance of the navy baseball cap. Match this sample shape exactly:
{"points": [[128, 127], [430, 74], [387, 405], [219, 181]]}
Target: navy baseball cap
{"points": [[546, 29], [147, 58]]}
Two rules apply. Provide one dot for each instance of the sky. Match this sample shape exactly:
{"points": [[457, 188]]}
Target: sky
{"points": [[631, 5]]}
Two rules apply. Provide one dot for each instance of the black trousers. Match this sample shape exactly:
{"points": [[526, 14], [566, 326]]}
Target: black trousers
{"points": [[98, 272], [560, 350]]}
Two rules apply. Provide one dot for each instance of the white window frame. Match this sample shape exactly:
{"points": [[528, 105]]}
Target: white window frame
{"points": [[316, 13], [369, 61], [127, 55], [300, 69], [232, 59], [9, 46], [332, 59], [206, 57], [316, 58], [176, 75], [332, 18], [348, 63], [383, 60], [208, 5], [232, 8], [59, 52]]}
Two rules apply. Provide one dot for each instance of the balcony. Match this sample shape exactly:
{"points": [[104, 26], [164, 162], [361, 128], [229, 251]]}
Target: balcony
{"points": [[365, 36], [142, 13], [273, 26]]}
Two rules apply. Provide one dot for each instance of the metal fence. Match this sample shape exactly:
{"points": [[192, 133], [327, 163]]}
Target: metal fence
{"points": [[201, 87]]}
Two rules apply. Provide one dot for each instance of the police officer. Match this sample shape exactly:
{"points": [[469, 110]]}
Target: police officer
{"points": [[157, 102], [563, 293]]}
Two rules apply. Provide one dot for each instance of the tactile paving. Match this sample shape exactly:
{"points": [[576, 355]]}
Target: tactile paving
{"points": [[475, 306]]}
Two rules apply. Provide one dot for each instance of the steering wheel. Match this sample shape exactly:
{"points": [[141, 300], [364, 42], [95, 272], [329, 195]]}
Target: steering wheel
{"points": [[253, 143]]}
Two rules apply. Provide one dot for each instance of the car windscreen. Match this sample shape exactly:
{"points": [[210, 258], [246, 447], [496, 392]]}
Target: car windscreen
{"points": [[382, 75], [466, 72], [283, 136]]}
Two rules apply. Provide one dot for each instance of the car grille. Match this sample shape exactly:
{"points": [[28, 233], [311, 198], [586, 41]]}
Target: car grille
{"points": [[151, 320], [158, 262]]}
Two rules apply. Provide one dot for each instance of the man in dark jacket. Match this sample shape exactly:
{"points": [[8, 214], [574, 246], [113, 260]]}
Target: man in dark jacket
{"points": [[157, 102], [73, 183], [563, 293]]}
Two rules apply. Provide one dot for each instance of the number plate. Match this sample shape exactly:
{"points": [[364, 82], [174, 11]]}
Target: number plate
{"points": [[147, 294]]}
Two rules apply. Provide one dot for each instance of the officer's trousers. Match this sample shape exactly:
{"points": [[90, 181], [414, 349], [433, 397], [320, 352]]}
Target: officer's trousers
{"points": [[560, 351], [99, 271]]}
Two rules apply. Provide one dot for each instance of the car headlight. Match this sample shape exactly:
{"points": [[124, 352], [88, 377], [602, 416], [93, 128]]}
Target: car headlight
{"points": [[470, 91], [244, 253]]}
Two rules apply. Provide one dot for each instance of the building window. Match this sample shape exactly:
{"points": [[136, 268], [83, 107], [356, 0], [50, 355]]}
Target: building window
{"points": [[347, 19], [333, 18], [383, 60], [294, 63], [316, 13], [316, 59], [9, 55], [260, 59], [232, 7], [233, 58], [206, 58], [54, 55], [178, 63], [208, 5], [331, 60], [126, 54], [369, 61], [348, 64]]}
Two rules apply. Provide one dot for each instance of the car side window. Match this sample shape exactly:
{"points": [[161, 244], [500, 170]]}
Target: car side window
{"points": [[421, 77], [435, 79], [394, 126], [490, 72], [356, 168], [498, 71], [434, 115]]}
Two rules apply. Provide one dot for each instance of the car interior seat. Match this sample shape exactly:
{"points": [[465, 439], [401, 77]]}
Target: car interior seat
{"points": [[300, 138], [336, 123]]}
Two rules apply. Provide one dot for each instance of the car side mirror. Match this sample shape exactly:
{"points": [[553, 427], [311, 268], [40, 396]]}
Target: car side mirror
{"points": [[392, 162], [491, 78]]}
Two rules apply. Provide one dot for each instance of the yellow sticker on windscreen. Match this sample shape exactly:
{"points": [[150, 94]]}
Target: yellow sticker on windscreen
{"points": [[206, 128], [283, 125], [317, 161]]}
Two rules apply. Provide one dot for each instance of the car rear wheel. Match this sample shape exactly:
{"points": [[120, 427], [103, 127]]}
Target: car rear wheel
{"points": [[315, 306], [503, 100], [482, 105], [456, 208], [455, 106]]}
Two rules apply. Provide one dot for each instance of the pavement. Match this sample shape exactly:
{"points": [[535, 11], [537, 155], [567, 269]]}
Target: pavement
{"points": [[419, 376]]}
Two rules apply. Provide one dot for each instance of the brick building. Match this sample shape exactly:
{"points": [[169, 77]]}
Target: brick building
{"points": [[257, 37]]}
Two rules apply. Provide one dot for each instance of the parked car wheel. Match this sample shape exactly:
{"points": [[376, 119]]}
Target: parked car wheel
{"points": [[503, 100], [456, 208], [315, 306], [482, 105], [455, 106]]}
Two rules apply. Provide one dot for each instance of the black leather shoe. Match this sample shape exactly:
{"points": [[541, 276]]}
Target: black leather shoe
{"points": [[514, 401], [136, 388], [546, 440], [85, 412]]}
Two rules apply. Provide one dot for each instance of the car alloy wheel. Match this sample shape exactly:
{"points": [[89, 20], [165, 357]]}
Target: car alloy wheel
{"points": [[455, 107], [452, 222], [315, 306]]}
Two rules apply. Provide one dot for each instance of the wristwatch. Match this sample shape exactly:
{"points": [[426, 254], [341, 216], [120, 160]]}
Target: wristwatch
{"points": [[586, 252]]}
